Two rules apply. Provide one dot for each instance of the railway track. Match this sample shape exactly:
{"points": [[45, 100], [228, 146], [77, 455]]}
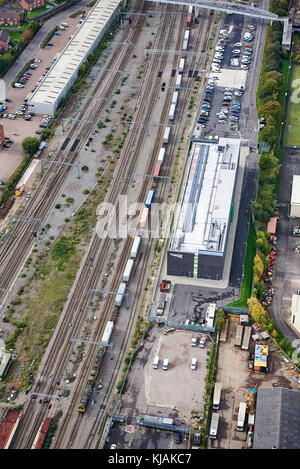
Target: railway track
{"points": [[73, 300], [80, 303], [12, 254]]}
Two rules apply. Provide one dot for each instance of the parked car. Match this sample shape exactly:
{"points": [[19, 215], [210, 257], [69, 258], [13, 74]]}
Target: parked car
{"points": [[49, 44], [38, 132], [19, 85]]}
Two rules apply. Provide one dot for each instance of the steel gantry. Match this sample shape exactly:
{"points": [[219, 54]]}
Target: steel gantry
{"points": [[13, 217], [104, 344], [227, 7], [61, 163], [108, 292]]}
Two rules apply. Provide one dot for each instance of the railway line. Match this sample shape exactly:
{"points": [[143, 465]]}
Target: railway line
{"points": [[79, 302], [73, 300], [12, 254]]}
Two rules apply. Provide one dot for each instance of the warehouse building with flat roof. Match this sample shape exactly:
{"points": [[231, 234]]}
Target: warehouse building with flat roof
{"points": [[277, 419], [63, 73], [202, 223]]}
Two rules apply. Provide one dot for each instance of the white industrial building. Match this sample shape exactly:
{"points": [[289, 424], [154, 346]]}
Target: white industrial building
{"points": [[295, 197], [201, 228], [295, 312], [64, 71]]}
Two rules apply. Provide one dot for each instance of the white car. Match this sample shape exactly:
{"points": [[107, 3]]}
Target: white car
{"points": [[37, 61], [236, 51], [220, 48], [217, 61], [238, 44], [244, 67], [19, 85]]}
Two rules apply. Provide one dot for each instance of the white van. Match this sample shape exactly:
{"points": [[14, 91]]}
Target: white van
{"points": [[165, 364], [194, 364], [155, 362]]}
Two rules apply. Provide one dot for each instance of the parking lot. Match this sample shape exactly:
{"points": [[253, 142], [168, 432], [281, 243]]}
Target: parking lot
{"points": [[222, 111], [19, 128]]}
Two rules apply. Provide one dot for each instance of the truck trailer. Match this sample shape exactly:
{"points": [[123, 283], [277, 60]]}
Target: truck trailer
{"points": [[217, 396], [241, 417], [214, 426]]}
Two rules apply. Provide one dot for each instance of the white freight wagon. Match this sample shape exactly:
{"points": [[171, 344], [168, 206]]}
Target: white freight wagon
{"points": [[166, 135], [187, 34], [178, 81], [120, 294], [175, 97], [172, 112], [135, 247], [185, 44], [107, 333], [128, 270], [181, 65], [161, 155]]}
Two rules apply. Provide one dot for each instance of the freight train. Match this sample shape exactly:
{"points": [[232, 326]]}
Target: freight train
{"points": [[91, 382]]}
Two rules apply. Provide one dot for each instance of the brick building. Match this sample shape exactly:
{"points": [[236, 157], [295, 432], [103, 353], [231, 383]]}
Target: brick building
{"points": [[30, 5], [10, 17]]}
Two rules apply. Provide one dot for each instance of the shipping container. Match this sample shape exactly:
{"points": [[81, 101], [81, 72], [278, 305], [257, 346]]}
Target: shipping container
{"points": [[174, 97], [166, 135], [135, 247], [128, 270], [185, 44], [189, 21], [156, 171], [238, 335], [107, 333], [246, 339], [181, 65], [120, 294], [149, 199], [161, 155], [178, 81], [187, 34], [144, 216], [172, 112]]}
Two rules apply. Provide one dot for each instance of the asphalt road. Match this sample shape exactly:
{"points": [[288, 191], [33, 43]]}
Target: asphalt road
{"points": [[287, 273]]}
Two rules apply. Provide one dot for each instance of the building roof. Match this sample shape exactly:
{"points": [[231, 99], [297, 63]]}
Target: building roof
{"points": [[295, 197], [9, 14], [271, 228], [261, 355], [74, 53], [277, 422], [4, 36], [204, 217]]}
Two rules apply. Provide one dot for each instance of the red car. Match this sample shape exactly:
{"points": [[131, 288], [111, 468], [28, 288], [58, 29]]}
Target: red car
{"points": [[248, 46], [25, 78]]}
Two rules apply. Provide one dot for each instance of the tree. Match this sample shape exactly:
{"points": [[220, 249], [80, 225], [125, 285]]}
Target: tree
{"points": [[257, 312], [27, 35], [269, 135], [30, 145], [33, 25]]}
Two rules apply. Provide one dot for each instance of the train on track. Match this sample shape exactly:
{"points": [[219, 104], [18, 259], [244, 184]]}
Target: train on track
{"points": [[93, 374], [90, 386]]}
